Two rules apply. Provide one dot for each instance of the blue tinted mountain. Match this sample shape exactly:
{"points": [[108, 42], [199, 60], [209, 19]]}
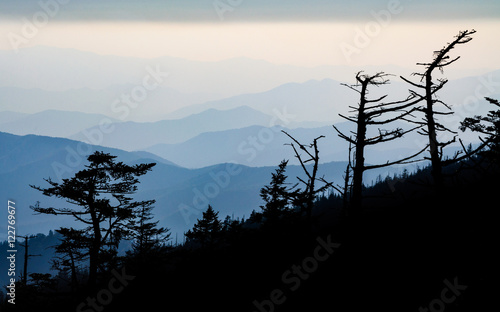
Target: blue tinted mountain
{"points": [[262, 146], [136, 136], [181, 193], [157, 103], [51, 123]]}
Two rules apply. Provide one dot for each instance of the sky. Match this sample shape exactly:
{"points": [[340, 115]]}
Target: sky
{"points": [[305, 33]]}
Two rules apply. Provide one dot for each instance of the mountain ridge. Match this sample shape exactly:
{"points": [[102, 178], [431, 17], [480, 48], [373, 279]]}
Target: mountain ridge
{"points": [[180, 193]]}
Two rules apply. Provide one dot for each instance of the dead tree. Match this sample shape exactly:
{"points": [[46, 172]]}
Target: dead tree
{"points": [[26, 257], [366, 114], [307, 197], [430, 88]]}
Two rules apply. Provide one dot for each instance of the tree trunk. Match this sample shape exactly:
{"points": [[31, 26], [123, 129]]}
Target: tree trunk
{"points": [[436, 170], [357, 178], [345, 198], [74, 281], [94, 248], [359, 166]]}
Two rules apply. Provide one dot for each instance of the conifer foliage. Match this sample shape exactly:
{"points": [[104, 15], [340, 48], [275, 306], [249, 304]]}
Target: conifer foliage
{"points": [[100, 199], [277, 195], [146, 234], [207, 230]]}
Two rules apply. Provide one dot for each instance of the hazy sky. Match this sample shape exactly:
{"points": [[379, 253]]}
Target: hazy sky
{"points": [[309, 33]]}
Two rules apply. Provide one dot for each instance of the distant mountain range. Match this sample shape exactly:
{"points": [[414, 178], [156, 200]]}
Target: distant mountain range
{"points": [[53, 68], [257, 146], [50, 123], [60, 69], [137, 136], [309, 104], [158, 103], [205, 115], [241, 135], [67, 79], [181, 193], [309, 101], [323, 100]]}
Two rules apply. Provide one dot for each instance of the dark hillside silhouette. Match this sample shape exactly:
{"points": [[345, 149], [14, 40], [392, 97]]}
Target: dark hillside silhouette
{"points": [[392, 252]]}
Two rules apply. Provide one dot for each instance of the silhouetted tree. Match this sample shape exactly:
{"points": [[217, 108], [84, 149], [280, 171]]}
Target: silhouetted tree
{"points": [[255, 217], [305, 199], [72, 252], [347, 188], [27, 256], [489, 126], [100, 198], [231, 229], [207, 230], [42, 281], [430, 88], [277, 195], [366, 115], [146, 235]]}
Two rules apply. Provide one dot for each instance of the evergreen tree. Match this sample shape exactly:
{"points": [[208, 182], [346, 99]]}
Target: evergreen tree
{"points": [[277, 195], [99, 195], [207, 230], [230, 225], [146, 234], [231, 230], [255, 217], [72, 252], [489, 126]]}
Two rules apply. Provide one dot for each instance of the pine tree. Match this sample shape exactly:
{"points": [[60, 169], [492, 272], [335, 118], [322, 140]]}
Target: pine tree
{"points": [[72, 252], [489, 127], [99, 195], [207, 230], [146, 235], [277, 195]]}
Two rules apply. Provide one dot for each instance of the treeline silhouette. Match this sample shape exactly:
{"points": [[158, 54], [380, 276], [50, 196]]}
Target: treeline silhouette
{"points": [[406, 241], [312, 246]]}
